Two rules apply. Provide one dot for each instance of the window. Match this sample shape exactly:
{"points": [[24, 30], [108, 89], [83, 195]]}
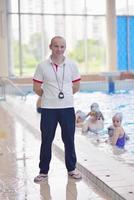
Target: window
{"points": [[32, 23]]}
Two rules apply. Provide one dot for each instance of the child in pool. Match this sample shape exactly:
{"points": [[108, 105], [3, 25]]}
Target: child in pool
{"points": [[81, 116], [116, 132], [95, 122]]}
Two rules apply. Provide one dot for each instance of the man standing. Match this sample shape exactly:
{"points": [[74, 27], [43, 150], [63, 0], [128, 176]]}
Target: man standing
{"points": [[56, 80]]}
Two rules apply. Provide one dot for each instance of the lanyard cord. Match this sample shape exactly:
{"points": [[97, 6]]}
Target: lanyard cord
{"points": [[60, 89]]}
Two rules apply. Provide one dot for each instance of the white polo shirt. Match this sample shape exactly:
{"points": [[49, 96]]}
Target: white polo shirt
{"points": [[46, 75]]}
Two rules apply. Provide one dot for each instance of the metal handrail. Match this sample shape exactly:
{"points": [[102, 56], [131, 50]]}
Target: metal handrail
{"points": [[6, 81]]}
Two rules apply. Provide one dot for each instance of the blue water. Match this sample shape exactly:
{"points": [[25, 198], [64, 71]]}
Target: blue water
{"points": [[109, 104], [121, 101]]}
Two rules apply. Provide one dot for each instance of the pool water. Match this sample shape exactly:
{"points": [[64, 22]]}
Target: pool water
{"points": [[109, 105]]}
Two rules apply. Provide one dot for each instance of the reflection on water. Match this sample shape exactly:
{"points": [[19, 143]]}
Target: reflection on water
{"points": [[109, 104]]}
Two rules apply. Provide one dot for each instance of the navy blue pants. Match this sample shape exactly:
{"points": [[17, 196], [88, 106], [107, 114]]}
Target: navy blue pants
{"points": [[49, 120]]}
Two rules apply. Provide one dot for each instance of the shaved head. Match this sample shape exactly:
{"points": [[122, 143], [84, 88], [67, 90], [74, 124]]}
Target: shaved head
{"points": [[57, 38]]}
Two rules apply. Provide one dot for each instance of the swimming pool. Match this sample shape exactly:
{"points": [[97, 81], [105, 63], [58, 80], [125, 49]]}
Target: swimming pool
{"points": [[122, 101]]}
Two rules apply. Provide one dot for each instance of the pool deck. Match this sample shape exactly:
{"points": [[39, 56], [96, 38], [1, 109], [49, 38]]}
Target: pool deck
{"points": [[111, 176]]}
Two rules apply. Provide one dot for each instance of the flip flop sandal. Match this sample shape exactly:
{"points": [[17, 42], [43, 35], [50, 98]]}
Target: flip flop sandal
{"points": [[40, 178]]}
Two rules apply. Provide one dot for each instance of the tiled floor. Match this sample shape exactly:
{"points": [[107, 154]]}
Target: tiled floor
{"points": [[19, 152]]}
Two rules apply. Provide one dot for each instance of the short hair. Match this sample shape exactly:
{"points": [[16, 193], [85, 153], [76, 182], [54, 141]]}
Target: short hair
{"points": [[57, 37]]}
